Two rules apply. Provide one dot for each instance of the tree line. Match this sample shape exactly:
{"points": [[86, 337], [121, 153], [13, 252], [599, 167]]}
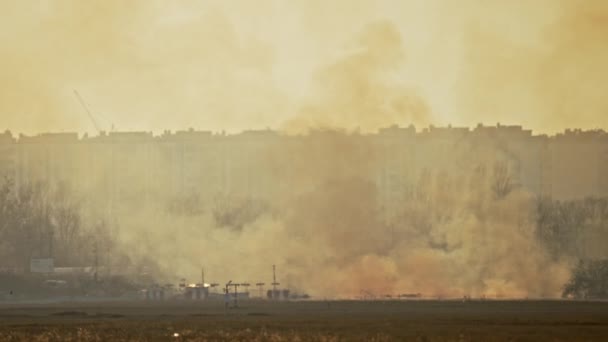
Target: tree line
{"points": [[38, 220]]}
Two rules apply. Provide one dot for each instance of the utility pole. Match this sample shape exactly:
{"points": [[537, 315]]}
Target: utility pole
{"points": [[236, 294], [227, 294], [227, 289], [96, 260], [260, 289], [51, 236], [274, 282]]}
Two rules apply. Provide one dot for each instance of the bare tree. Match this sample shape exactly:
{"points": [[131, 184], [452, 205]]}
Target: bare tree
{"points": [[501, 183], [38, 222]]}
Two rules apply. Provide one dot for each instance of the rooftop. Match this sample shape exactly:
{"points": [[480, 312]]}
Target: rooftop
{"points": [[432, 132]]}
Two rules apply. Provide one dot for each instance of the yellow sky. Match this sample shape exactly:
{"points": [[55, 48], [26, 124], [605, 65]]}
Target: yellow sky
{"points": [[232, 65]]}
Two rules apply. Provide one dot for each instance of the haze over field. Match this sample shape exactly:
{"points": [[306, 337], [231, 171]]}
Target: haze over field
{"points": [[333, 67], [234, 65]]}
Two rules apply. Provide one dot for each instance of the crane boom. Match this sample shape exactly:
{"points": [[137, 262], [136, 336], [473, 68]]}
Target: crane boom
{"points": [[87, 110]]}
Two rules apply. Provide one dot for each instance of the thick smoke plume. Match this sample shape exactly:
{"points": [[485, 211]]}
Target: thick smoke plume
{"points": [[455, 232], [217, 65], [360, 89]]}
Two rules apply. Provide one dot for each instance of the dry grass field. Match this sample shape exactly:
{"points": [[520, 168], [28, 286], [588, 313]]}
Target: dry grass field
{"points": [[308, 321]]}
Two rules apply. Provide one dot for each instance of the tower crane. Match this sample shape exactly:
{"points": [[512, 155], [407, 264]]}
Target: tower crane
{"points": [[87, 110]]}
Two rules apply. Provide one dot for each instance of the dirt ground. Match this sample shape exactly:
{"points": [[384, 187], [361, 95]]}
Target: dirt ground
{"points": [[308, 321]]}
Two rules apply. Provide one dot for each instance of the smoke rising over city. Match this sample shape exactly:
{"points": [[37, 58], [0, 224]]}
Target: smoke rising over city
{"points": [[298, 163], [444, 212]]}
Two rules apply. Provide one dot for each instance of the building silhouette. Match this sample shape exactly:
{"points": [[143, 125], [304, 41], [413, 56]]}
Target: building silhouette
{"points": [[142, 167]]}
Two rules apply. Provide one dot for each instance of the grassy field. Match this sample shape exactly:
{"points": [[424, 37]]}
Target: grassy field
{"points": [[308, 321]]}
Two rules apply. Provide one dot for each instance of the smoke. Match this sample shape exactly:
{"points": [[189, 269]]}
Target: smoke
{"points": [[547, 73], [147, 65], [48, 48], [302, 66], [449, 233], [139, 66], [449, 240], [359, 90]]}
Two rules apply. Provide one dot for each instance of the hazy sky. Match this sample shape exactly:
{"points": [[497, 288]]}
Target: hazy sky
{"points": [[232, 65]]}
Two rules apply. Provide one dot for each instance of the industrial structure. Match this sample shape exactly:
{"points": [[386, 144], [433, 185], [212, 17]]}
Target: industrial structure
{"points": [[205, 291]]}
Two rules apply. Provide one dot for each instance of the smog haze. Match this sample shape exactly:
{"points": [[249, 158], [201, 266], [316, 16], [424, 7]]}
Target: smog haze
{"points": [[218, 65], [363, 147]]}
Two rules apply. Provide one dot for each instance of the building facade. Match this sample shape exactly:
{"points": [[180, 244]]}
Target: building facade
{"points": [[142, 167]]}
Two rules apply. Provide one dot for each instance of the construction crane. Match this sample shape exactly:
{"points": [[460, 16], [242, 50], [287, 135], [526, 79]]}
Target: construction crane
{"points": [[87, 110]]}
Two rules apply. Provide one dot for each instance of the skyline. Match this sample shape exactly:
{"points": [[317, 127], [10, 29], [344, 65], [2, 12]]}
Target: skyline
{"points": [[411, 128]]}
